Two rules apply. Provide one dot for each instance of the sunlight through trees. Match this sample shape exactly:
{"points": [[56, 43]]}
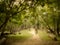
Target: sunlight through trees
{"points": [[25, 14]]}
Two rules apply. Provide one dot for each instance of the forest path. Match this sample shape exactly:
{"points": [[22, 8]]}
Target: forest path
{"points": [[34, 40]]}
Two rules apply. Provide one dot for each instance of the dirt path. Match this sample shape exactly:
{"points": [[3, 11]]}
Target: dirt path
{"points": [[34, 40]]}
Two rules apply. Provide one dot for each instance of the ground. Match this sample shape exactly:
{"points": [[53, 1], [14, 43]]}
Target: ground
{"points": [[35, 39]]}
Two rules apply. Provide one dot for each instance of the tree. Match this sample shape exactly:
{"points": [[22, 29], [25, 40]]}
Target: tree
{"points": [[32, 12], [11, 8]]}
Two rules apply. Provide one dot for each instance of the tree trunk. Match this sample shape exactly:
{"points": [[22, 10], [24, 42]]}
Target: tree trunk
{"points": [[58, 27], [3, 25], [58, 18]]}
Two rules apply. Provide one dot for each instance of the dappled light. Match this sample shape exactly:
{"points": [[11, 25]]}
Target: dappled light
{"points": [[34, 34], [32, 31], [29, 22]]}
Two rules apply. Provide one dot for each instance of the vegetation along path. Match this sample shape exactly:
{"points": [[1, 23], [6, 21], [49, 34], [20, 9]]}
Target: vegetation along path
{"points": [[34, 40]]}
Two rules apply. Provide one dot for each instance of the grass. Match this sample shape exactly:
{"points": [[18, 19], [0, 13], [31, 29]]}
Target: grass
{"points": [[23, 36], [43, 35], [24, 39]]}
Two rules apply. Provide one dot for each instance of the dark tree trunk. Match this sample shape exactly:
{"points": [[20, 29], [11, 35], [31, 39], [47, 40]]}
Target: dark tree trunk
{"points": [[58, 19], [51, 30], [58, 27], [4, 23], [2, 27]]}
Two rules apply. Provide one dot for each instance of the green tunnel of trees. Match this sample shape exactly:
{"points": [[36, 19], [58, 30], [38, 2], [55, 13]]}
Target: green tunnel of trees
{"points": [[30, 13]]}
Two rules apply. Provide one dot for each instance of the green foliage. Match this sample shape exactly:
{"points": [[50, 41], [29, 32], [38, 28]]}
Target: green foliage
{"points": [[30, 13]]}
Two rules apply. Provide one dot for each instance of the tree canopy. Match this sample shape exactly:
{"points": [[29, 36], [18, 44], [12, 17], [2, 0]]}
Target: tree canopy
{"points": [[31, 13]]}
